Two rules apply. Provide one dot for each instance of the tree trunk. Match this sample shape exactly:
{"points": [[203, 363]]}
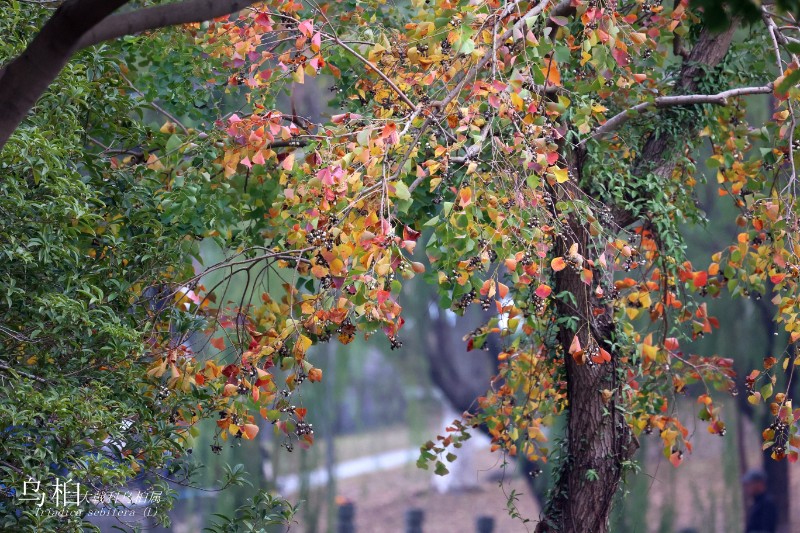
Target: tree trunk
{"points": [[599, 439]]}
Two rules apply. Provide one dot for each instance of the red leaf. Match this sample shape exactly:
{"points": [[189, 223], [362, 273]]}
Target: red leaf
{"points": [[700, 279], [621, 57], [676, 459], [409, 234], [230, 370]]}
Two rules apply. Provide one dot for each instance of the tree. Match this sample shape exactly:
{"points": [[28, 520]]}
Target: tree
{"points": [[548, 149]]}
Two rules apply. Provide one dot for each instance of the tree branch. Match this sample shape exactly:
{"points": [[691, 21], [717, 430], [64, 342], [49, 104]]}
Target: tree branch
{"points": [[78, 24], [657, 153], [661, 102], [152, 18], [157, 107], [27, 77], [7, 368]]}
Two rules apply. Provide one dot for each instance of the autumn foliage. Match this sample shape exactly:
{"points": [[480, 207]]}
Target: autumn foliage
{"points": [[536, 159]]}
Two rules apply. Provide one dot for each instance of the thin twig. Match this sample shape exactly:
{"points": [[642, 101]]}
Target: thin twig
{"points": [[157, 107]]}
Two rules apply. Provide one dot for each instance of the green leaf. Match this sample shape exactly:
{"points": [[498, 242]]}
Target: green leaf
{"points": [[173, 144], [766, 391], [401, 191], [467, 47]]}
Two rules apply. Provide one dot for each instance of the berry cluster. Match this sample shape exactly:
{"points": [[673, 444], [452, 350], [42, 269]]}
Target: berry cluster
{"points": [[466, 300]]}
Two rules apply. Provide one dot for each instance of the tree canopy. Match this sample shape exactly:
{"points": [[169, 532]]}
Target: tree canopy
{"points": [[545, 155]]}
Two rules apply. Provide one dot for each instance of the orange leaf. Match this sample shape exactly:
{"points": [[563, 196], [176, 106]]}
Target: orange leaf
{"points": [[543, 291], [388, 130], [250, 431], [602, 357], [465, 197], [218, 343], [502, 290], [558, 264], [552, 74], [314, 375], [626, 283]]}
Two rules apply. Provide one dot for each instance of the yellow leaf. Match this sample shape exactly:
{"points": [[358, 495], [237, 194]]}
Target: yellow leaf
{"points": [[649, 352], [573, 249], [517, 101], [560, 174], [299, 75], [302, 345]]}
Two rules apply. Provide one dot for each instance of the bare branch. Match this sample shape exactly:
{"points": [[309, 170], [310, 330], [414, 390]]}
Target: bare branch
{"points": [[661, 102], [152, 18], [7, 368]]}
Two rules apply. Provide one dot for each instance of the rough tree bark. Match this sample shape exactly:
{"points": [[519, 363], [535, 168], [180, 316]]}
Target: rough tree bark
{"points": [[598, 438]]}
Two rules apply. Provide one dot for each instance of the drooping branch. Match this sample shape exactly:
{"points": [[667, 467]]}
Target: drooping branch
{"points": [[662, 102], [78, 24], [518, 26]]}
